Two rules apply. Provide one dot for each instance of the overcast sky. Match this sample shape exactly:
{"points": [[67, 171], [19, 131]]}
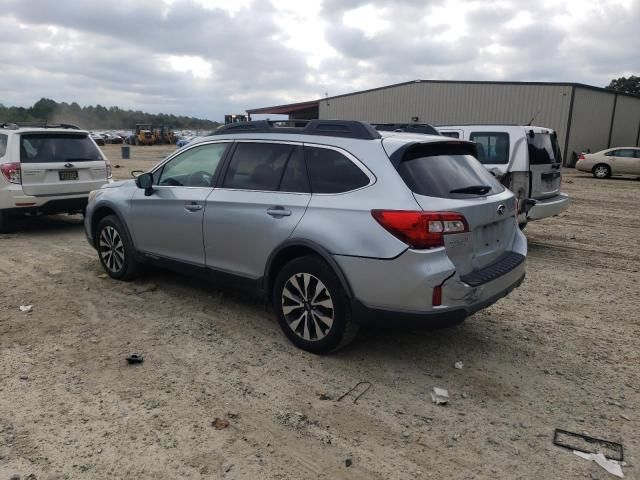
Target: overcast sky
{"points": [[211, 57]]}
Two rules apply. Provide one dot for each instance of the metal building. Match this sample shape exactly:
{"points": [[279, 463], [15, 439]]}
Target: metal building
{"points": [[585, 117]]}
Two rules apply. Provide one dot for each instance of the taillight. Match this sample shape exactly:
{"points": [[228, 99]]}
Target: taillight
{"points": [[11, 171], [421, 230], [581, 157], [107, 165]]}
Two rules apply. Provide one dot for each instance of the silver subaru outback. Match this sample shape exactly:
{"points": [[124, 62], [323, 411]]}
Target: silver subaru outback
{"points": [[339, 225]]}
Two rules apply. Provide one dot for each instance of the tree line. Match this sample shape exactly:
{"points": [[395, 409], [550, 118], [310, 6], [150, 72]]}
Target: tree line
{"points": [[97, 117]]}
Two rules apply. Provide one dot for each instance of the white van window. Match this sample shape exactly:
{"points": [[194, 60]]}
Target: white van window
{"points": [[493, 147], [3, 144], [450, 134]]}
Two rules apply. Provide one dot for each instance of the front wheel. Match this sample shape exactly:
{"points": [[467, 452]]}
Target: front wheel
{"points": [[116, 252], [312, 307]]}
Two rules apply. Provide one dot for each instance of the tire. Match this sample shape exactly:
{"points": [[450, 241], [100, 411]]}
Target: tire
{"points": [[115, 250], [601, 170], [6, 223], [325, 300]]}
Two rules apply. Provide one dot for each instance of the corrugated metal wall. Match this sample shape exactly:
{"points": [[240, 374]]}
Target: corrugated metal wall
{"points": [[626, 123], [450, 103], [591, 121]]}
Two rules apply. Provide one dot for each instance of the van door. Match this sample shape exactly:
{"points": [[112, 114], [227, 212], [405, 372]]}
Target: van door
{"points": [[60, 163], [544, 164]]}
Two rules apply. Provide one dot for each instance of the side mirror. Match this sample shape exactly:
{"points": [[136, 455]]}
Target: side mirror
{"points": [[145, 181]]}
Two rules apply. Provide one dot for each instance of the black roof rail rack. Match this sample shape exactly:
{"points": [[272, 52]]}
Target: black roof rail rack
{"points": [[328, 128], [424, 128], [16, 125]]}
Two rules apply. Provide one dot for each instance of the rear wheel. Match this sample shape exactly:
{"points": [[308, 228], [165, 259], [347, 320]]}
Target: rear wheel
{"points": [[312, 307], [601, 171], [116, 252], [6, 222]]}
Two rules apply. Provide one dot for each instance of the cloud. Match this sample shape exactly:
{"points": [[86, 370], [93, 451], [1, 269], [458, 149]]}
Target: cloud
{"points": [[204, 58]]}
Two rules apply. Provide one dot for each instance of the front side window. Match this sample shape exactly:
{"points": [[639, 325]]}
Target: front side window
{"points": [[195, 167], [258, 166], [57, 147], [493, 147], [332, 172], [3, 144]]}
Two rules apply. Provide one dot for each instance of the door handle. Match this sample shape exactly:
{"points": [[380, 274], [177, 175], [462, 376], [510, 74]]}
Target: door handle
{"points": [[278, 212], [192, 207]]}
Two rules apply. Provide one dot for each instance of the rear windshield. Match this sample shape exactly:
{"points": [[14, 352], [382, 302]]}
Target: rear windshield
{"points": [[57, 147], [446, 172], [543, 149]]}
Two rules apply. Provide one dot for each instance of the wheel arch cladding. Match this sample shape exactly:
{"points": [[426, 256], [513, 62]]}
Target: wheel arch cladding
{"points": [[295, 249]]}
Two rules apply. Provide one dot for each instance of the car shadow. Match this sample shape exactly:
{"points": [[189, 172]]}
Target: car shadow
{"points": [[47, 223]]}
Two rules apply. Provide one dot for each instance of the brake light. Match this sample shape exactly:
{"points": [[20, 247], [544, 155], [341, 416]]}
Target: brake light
{"points": [[581, 157], [107, 165], [421, 230], [12, 172]]}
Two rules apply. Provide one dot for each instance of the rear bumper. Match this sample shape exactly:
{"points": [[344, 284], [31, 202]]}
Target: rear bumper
{"points": [[14, 201], [399, 291], [549, 207], [427, 320]]}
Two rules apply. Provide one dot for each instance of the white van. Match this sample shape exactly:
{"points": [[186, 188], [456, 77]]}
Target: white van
{"points": [[526, 159]]}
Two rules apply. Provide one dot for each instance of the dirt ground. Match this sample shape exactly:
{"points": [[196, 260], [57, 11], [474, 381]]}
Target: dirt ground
{"points": [[559, 352]]}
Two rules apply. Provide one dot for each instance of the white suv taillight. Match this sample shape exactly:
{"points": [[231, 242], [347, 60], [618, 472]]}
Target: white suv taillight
{"points": [[107, 165], [12, 172]]}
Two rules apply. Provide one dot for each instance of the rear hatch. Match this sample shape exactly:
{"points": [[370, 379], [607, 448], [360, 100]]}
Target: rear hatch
{"points": [[446, 176], [60, 163], [544, 164]]}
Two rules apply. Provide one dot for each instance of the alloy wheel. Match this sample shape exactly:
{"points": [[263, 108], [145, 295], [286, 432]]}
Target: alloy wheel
{"points": [[111, 249], [601, 172], [307, 306]]}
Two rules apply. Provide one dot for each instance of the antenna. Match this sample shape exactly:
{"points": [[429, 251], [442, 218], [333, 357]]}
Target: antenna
{"points": [[533, 118]]}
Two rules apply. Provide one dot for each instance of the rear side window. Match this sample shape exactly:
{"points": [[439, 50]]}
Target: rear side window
{"points": [[543, 149], [57, 147], [493, 147], [295, 178], [257, 166], [3, 144], [627, 153], [332, 172], [446, 171]]}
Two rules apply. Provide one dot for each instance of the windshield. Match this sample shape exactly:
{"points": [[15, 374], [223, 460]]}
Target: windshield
{"points": [[57, 147], [543, 148]]}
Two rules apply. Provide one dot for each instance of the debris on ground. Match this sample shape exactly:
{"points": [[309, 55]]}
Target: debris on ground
{"points": [[586, 444], [219, 423], [323, 396], [103, 276], [138, 289], [458, 365], [440, 396], [611, 466], [348, 462], [26, 308], [366, 386], [135, 358]]}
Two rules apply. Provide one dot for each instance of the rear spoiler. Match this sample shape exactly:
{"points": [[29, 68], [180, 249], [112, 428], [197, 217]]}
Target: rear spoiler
{"points": [[413, 150]]}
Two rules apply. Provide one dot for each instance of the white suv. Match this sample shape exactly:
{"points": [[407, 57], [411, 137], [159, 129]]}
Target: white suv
{"points": [[47, 169]]}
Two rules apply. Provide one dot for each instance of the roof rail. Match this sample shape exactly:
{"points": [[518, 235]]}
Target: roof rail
{"points": [[16, 126], [328, 128], [424, 128]]}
